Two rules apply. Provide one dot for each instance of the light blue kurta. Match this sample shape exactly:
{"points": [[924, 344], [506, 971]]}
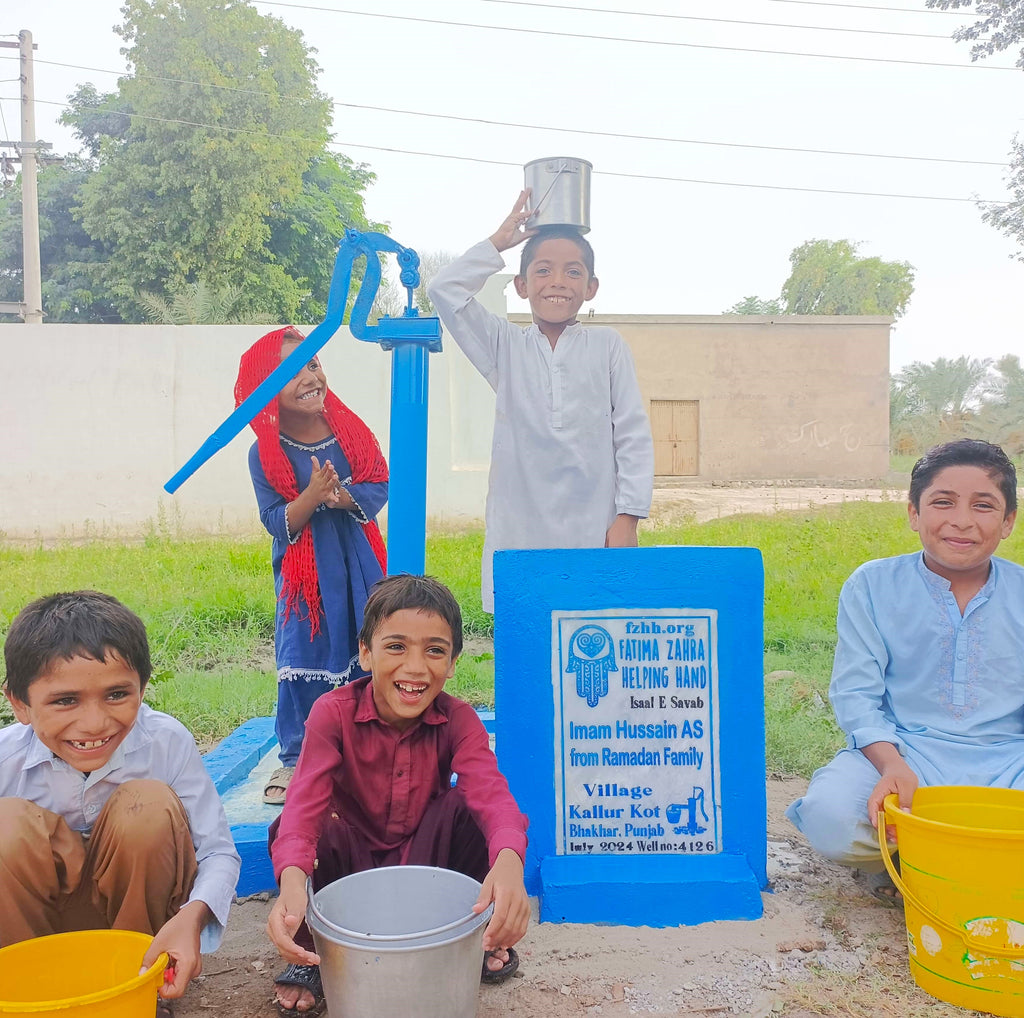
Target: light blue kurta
{"points": [[946, 689]]}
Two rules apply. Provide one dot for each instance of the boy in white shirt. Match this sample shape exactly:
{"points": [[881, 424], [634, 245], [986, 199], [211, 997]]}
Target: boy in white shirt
{"points": [[108, 818], [572, 460]]}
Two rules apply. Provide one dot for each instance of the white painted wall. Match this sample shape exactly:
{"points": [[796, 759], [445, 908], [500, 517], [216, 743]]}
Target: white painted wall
{"points": [[97, 418]]}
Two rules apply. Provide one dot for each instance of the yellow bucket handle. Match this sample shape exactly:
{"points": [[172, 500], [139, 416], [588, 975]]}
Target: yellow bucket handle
{"points": [[970, 941]]}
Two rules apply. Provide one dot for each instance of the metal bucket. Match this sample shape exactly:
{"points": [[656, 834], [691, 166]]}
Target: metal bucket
{"points": [[559, 192], [399, 940]]}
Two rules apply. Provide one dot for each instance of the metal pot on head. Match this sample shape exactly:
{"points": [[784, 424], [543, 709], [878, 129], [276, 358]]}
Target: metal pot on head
{"points": [[559, 192]]}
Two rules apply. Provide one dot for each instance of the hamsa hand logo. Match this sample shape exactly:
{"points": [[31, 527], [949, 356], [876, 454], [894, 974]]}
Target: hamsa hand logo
{"points": [[591, 657]]}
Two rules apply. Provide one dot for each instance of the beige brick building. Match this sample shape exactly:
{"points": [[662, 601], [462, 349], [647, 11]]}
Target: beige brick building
{"points": [[738, 397]]}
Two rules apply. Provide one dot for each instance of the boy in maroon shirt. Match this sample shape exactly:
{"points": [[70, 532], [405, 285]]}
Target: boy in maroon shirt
{"points": [[373, 786]]}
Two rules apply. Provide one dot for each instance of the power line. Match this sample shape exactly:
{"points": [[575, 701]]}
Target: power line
{"points": [[540, 127], [680, 180], [871, 7], [621, 39], [634, 41], [498, 162], [718, 21], [663, 138]]}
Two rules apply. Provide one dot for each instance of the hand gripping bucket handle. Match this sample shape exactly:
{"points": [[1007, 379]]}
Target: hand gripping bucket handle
{"points": [[891, 807], [379, 937]]}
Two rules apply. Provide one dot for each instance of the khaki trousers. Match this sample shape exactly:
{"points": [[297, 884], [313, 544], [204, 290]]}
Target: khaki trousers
{"points": [[133, 873]]}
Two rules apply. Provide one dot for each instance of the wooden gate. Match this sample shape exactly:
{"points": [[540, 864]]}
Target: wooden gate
{"points": [[675, 427]]}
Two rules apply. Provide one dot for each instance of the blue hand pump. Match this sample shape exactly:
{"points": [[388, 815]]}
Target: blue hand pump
{"points": [[410, 338]]}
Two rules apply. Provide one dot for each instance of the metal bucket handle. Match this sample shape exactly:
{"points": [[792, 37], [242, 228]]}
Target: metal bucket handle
{"points": [[383, 937], [536, 210], [970, 941]]}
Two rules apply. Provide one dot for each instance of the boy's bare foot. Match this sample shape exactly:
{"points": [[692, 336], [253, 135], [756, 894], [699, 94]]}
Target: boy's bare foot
{"points": [[298, 990], [499, 965], [276, 788]]}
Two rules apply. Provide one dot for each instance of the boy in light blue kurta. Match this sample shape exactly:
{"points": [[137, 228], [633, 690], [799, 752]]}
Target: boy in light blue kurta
{"points": [[928, 681]]}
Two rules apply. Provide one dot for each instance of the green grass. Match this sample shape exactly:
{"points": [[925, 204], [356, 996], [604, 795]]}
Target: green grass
{"points": [[208, 605], [807, 556]]}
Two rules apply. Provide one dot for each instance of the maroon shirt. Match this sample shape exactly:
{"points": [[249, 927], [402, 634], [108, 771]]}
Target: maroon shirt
{"points": [[381, 780]]}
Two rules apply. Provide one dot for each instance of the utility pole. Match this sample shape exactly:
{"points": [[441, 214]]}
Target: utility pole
{"points": [[31, 309]]}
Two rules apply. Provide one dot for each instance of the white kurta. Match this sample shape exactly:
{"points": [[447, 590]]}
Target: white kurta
{"points": [[572, 443]]}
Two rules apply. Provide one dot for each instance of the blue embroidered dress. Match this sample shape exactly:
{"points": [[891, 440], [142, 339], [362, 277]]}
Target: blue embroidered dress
{"points": [[347, 569], [946, 689]]}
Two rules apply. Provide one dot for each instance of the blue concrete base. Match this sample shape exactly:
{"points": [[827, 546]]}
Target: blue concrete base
{"points": [[234, 757], [232, 766], [668, 890], [257, 873]]}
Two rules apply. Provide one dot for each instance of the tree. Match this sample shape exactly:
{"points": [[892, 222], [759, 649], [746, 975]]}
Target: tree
{"points": [[305, 233], [930, 403], [210, 162], [72, 263], [755, 306], [198, 304], [431, 263], [1003, 412], [1000, 27], [949, 389], [1009, 218], [828, 278]]}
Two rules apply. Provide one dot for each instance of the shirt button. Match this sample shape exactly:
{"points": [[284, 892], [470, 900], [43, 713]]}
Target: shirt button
{"points": [[400, 773]]}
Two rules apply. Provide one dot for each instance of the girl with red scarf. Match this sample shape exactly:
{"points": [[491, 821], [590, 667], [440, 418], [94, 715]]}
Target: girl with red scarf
{"points": [[320, 480]]}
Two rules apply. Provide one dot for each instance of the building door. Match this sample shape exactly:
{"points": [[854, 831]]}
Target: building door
{"points": [[675, 426]]}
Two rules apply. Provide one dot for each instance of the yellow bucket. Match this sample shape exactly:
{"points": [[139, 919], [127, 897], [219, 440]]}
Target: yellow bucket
{"points": [[92, 974], [962, 880]]}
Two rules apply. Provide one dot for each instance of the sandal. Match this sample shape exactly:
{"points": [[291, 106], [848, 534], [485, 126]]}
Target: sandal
{"points": [[281, 778], [880, 884], [164, 1009], [306, 977], [499, 975], [882, 887]]}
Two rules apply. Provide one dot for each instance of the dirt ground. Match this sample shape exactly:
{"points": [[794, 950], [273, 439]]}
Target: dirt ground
{"points": [[823, 947], [708, 501]]}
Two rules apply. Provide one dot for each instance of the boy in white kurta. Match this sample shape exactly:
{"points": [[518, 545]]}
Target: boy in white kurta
{"points": [[572, 460]]}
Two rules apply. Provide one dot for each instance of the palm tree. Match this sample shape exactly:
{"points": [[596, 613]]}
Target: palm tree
{"points": [[934, 402], [200, 304], [1003, 412], [948, 389]]}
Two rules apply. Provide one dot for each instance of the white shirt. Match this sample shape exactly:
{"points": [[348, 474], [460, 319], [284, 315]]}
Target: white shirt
{"points": [[572, 443], [158, 747]]}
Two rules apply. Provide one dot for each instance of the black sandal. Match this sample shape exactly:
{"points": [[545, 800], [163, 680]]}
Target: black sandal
{"points": [[499, 975], [880, 884], [306, 977]]}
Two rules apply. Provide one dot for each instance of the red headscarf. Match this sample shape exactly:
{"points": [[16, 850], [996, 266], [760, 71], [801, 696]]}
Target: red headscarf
{"points": [[298, 569]]}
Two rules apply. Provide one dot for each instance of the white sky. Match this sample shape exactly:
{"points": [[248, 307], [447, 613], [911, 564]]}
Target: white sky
{"points": [[662, 246]]}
